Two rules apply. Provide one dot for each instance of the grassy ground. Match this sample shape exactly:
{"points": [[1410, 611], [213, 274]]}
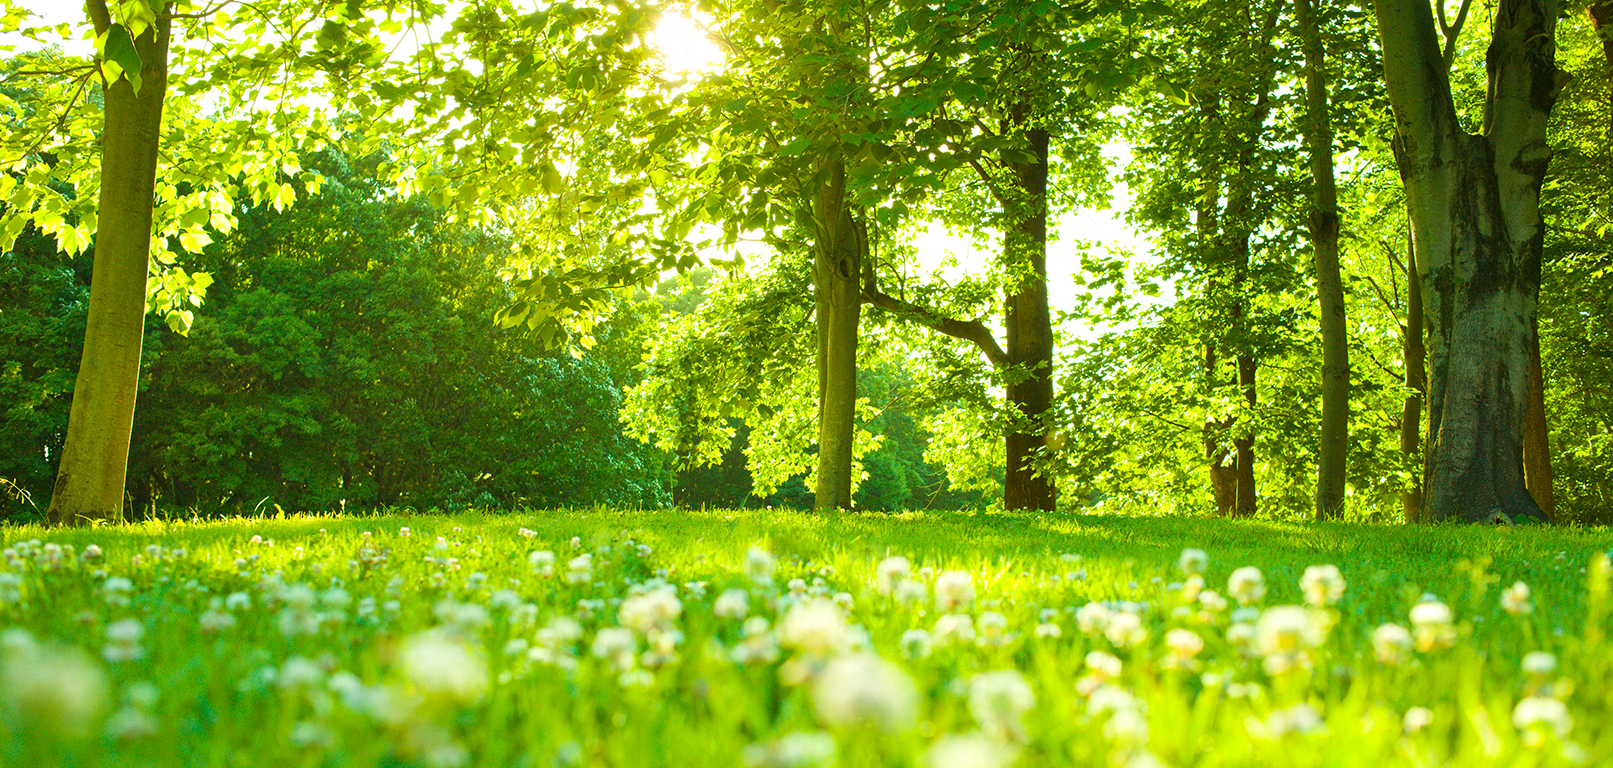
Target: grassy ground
{"points": [[343, 641]]}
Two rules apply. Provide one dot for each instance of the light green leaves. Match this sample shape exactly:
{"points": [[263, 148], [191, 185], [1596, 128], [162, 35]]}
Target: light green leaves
{"points": [[117, 47]]}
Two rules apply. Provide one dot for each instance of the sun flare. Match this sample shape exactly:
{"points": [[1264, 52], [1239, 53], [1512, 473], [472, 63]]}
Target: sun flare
{"points": [[685, 47]]}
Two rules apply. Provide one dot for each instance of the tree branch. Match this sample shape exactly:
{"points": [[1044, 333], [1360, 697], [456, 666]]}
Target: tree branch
{"points": [[972, 331]]}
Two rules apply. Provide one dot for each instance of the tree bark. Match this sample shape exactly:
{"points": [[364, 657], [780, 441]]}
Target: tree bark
{"points": [[94, 460], [1413, 357], [1474, 204], [1537, 474], [1029, 379], [837, 283], [1223, 472], [1324, 229]]}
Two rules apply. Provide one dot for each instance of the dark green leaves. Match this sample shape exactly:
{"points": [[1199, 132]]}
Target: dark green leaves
{"points": [[119, 49]]}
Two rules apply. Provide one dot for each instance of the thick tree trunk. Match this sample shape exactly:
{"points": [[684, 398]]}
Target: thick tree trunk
{"points": [[1324, 228], [1537, 474], [90, 478], [1246, 442], [1223, 470], [1414, 359], [837, 282], [1474, 204], [1029, 329]]}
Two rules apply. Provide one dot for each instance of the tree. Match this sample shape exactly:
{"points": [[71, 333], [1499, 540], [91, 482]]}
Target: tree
{"points": [[1477, 231]]}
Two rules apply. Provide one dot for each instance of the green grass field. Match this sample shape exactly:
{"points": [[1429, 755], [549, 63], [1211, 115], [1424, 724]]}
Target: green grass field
{"points": [[786, 639]]}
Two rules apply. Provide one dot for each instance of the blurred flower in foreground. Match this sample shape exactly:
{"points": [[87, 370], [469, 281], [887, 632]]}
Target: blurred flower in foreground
{"points": [[1515, 599], [1323, 585], [998, 700], [49, 689], [440, 664], [973, 750], [891, 572], [1247, 585], [864, 689], [1391, 643], [1431, 625], [759, 567], [793, 750], [1284, 634], [1193, 561], [954, 591], [123, 641], [1538, 716]]}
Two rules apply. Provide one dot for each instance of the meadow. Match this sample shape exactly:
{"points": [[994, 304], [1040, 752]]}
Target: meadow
{"points": [[770, 638]]}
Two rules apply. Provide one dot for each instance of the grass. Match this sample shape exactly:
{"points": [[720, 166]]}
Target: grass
{"points": [[352, 644]]}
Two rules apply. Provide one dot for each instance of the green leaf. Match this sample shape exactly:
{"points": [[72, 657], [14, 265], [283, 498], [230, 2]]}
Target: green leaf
{"points": [[120, 50]]}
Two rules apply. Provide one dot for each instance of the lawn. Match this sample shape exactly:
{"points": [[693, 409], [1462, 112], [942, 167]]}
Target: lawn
{"points": [[768, 638]]}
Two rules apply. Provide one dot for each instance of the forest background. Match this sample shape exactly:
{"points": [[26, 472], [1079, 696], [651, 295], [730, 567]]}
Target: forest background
{"points": [[342, 351]]}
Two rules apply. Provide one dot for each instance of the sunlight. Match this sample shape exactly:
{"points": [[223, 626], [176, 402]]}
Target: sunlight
{"points": [[685, 47]]}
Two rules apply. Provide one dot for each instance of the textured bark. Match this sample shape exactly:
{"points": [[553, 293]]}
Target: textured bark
{"points": [[1334, 441], [1601, 14], [1246, 442], [1474, 204], [1223, 471], [1029, 328], [837, 283], [1413, 357], [90, 478], [1537, 474]]}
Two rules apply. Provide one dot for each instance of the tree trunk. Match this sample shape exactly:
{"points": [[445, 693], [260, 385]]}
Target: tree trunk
{"points": [[1474, 204], [1537, 474], [90, 478], [1413, 358], [1223, 472], [1246, 443], [837, 283], [1324, 229], [1029, 380]]}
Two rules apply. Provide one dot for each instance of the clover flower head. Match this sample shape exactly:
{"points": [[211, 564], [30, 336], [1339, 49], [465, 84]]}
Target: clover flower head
{"points": [[1515, 599], [911, 592], [1093, 618], [915, 644], [439, 663], [1322, 585], [1431, 625], [580, 569], [999, 700], [1193, 561], [656, 609], [954, 628], [814, 627], [1126, 629], [862, 689], [1391, 643], [759, 566], [975, 750], [732, 604], [1539, 716], [51, 688], [954, 591], [1539, 663], [1184, 643], [892, 571], [1247, 585], [123, 641], [814, 749]]}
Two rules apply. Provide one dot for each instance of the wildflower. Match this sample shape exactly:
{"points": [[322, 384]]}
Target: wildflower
{"points": [[50, 689], [1102, 668], [732, 604], [1111, 699], [216, 619], [581, 569], [1049, 631], [1184, 643], [10, 588], [974, 750], [915, 644], [617, 644], [759, 566], [1416, 719], [954, 591], [814, 627], [998, 701], [1246, 585], [526, 533], [1391, 643], [1128, 726], [542, 563], [1193, 561], [1283, 635], [656, 609], [1515, 599], [912, 592], [1540, 715], [1093, 618], [1301, 718], [793, 750], [298, 673], [1431, 625], [438, 663], [756, 645], [993, 628], [892, 571], [123, 641], [844, 600], [1539, 663], [238, 601], [954, 628], [1323, 585], [1126, 629], [131, 724], [863, 689], [116, 591]]}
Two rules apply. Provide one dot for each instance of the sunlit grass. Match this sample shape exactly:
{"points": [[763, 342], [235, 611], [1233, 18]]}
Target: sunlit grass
{"points": [[444, 641]]}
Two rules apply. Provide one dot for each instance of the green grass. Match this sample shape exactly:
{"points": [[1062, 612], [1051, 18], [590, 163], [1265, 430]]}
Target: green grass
{"points": [[457, 672]]}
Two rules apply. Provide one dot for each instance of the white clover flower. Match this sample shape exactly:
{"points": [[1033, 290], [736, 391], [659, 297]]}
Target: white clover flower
{"points": [[581, 569], [1126, 629], [999, 700], [1093, 618], [732, 604], [440, 664], [793, 750], [1104, 665], [974, 750], [892, 571], [1539, 715], [1193, 561], [1284, 634], [1127, 726], [759, 566], [1539, 663], [617, 644], [10, 588], [954, 628], [814, 627], [52, 689], [1431, 625], [1184, 643], [1391, 643], [1515, 599], [954, 591], [123, 641], [299, 673], [656, 609], [1322, 585], [1111, 699], [1212, 601], [862, 689], [238, 601], [1416, 719], [993, 629], [131, 724], [915, 644], [1049, 630], [756, 645], [912, 592], [1301, 718], [1247, 585], [216, 619], [116, 591], [1191, 587]]}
